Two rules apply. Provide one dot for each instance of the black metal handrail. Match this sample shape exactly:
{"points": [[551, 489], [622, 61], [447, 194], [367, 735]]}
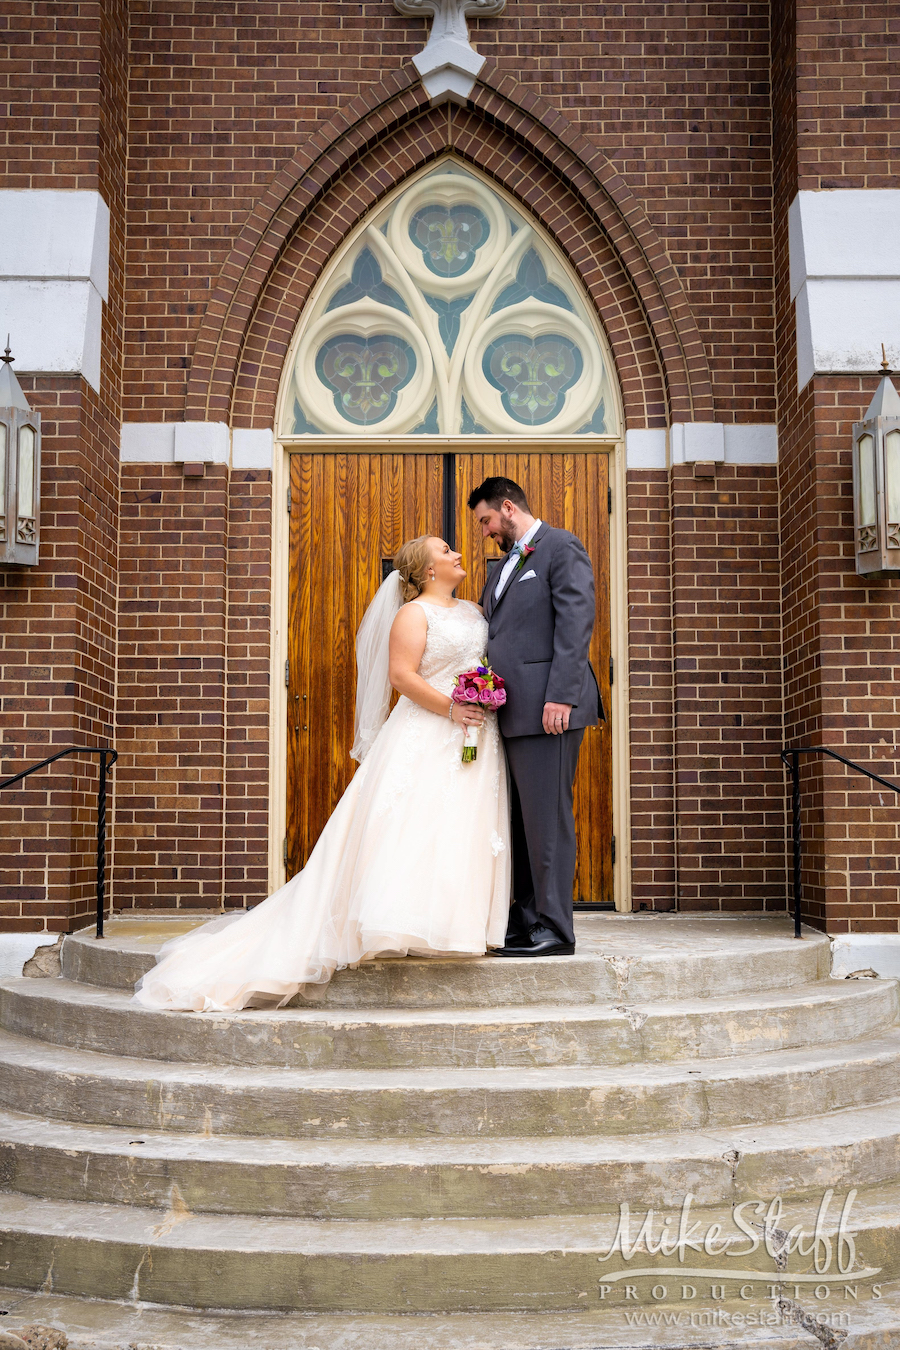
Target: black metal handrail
{"points": [[108, 757], [791, 757]]}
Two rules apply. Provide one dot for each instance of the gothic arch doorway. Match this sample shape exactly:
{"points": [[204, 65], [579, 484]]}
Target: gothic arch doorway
{"points": [[447, 340]]}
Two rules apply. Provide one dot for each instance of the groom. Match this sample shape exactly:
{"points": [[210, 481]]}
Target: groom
{"points": [[539, 605]]}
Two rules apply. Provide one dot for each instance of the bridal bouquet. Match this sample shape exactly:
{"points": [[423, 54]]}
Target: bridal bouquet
{"points": [[483, 687]]}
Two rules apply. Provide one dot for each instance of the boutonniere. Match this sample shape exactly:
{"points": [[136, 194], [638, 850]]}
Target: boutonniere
{"points": [[524, 555]]}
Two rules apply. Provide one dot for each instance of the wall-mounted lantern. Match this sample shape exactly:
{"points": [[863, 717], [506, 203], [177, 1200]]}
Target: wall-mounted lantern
{"points": [[876, 484], [20, 471]]}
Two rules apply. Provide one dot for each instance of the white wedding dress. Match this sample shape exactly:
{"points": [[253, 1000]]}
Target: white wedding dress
{"points": [[414, 861]]}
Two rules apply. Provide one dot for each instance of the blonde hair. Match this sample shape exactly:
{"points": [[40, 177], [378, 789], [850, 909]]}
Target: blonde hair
{"points": [[412, 560]]}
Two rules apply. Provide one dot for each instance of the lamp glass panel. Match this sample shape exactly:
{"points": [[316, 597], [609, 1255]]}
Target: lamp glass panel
{"points": [[866, 450], [3, 435], [26, 472], [892, 475]]}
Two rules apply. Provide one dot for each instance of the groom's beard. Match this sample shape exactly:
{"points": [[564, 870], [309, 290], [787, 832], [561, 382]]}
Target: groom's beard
{"points": [[505, 537]]}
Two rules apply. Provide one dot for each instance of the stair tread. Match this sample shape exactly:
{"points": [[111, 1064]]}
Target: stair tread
{"points": [[833, 1129], [106, 1325], [640, 935], [178, 1227], [84, 1222], [31, 1053], [818, 992]]}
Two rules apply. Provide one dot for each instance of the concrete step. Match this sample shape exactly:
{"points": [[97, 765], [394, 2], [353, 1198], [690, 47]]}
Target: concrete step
{"points": [[93, 1324], [620, 958], [446, 1265], [449, 1177], [87, 1087], [107, 1020]]}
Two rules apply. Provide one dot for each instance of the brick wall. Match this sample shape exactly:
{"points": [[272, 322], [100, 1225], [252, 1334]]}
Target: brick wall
{"points": [[729, 781], [651, 686], [835, 124], [62, 91], [192, 783], [676, 104], [57, 663], [223, 95]]}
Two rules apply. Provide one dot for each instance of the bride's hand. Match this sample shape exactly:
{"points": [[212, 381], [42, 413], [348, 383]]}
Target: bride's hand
{"points": [[466, 714]]}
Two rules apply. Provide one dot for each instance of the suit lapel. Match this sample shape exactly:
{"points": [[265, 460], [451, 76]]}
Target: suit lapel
{"points": [[512, 580]]}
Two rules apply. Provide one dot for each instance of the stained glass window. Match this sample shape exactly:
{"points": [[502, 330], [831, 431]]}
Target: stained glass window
{"points": [[449, 313]]}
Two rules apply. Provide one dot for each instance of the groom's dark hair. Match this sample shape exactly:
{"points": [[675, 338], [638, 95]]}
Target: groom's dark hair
{"points": [[494, 491]]}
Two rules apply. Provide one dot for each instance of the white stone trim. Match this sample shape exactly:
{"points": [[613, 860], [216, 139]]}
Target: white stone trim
{"points": [[54, 327], [692, 441], [723, 443], [202, 443], [17, 948], [880, 952], [845, 279], [252, 449], [645, 448], [196, 442], [845, 232], [751, 443], [50, 235], [54, 248], [841, 324], [147, 443]]}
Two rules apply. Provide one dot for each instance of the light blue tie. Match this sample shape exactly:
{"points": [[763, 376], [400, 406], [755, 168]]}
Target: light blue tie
{"points": [[515, 552]]}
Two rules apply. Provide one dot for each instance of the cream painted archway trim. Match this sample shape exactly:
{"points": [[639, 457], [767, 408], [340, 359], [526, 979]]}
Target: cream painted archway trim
{"points": [[621, 785]]}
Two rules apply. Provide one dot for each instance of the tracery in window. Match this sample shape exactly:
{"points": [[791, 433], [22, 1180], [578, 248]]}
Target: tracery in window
{"points": [[449, 314]]}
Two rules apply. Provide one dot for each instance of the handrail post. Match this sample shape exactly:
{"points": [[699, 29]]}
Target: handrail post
{"points": [[101, 843], [797, 841]]}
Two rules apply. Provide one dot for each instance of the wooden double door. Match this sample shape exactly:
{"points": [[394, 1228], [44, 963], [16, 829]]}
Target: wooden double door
{"points": [[349, 514]]}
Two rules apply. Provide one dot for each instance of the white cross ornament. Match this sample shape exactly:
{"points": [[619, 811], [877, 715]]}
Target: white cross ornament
{"points": [[448, 63]]}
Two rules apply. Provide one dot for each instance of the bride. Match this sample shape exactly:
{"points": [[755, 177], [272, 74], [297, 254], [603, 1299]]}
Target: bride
{"points": [[415, 859]]}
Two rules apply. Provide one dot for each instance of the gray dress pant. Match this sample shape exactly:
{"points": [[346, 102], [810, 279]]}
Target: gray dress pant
{"points": [[542, 772]]}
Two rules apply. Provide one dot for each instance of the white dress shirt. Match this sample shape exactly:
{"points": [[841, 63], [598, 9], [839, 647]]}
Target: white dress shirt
{"points": [[515, 553]]}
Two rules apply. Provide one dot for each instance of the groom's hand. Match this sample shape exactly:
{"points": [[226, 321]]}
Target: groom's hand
{"points": [[556, 718]]}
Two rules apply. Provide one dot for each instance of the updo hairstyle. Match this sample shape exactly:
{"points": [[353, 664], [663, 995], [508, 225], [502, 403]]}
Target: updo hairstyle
{"points": [[412, 560]]}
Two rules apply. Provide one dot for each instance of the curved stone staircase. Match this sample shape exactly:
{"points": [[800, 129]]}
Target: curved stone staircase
{"points": [[437, 1155]]}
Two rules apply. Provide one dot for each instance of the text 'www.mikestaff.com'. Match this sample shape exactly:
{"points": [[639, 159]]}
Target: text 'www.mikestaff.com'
{"points": [[725, 1317]]}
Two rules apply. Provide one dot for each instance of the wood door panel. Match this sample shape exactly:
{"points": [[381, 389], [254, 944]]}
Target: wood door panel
{"points": [[351, 510], [348, 512], [569, 491]]}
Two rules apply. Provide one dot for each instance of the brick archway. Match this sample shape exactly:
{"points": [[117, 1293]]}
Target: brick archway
{"points": [[530, 150]]}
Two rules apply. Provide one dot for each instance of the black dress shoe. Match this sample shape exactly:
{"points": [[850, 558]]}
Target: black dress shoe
{"points": [[541, 941]]}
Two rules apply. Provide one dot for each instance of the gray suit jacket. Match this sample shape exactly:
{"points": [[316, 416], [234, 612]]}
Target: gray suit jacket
{"points": [[539, 632]]}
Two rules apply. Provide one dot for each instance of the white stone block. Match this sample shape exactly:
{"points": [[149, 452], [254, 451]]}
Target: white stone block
{"points": [[147, 443], [54, 326], [751, 443], [54, 251], [692, 441], [202, 442], [852, 232], [17, 948], [841, 324], [845, 279], [645, 448], [47, 235], [866, 951], [252, 449]]}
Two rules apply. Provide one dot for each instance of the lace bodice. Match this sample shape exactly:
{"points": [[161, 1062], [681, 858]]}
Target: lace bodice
{"points": [[457, 641]]}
